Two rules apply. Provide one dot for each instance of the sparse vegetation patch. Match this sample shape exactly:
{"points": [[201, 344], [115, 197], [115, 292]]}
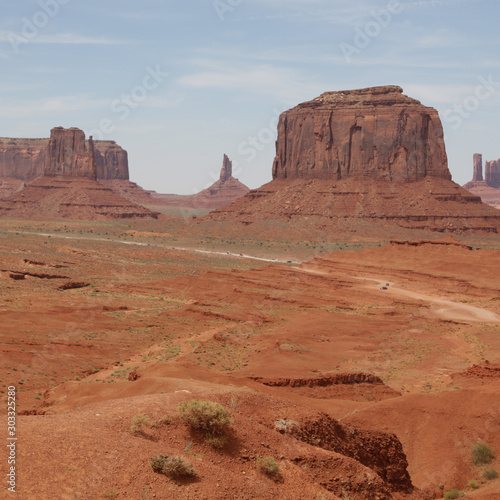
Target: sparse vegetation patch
{"points": [[482, 454], [268, 466], [173, 467], [490, 474]]}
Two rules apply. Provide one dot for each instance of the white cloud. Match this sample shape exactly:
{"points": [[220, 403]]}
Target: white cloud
{"points": [[61, 38], [439, 94], [162, 102], [59, 104], [284, 83], [437, 3]]}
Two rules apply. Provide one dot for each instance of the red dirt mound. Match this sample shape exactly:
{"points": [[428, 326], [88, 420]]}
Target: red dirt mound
{"points": [[59, 198], [431, 204], [484, 371]]}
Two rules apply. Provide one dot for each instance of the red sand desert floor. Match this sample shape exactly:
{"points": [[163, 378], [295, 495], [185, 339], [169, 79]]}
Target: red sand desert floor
{"points": [[96, 332]]}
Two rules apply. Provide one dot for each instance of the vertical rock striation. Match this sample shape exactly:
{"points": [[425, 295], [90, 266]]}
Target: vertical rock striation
{"points": [[69, 155], [375, 132], [478, 167], [25, 159], [493, 173], [22, 159], [111, 161]]}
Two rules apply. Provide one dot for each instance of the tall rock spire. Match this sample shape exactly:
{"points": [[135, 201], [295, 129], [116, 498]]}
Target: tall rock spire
{"points": [[227, 169], [478, 167]]}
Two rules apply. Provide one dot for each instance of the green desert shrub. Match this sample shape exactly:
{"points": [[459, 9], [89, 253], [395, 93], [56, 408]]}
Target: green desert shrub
{"points": [[138, 422], [268, 466], [473, 484], [452, 494], [216, 441], [490, 473], [208, 416], [482, 454], [173, 467], [157, 462]]}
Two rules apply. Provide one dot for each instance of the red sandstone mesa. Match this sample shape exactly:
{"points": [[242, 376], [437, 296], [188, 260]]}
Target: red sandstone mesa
{"points": [[376, 132], [25, 159], [371, 155], [69, 188]]}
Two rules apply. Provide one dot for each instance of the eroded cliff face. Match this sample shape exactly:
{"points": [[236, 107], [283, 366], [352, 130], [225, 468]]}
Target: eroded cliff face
{"points": [[25, 159], [478, 167], [364, 160], [69, 155], [375, 132], [492, 174], [111, 161], [22, 159]]}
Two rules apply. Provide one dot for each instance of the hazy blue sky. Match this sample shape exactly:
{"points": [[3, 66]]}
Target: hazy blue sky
{"points": [[178, 83]]}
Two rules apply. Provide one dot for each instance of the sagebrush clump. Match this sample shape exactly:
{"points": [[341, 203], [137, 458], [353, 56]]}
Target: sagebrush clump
{"points": [[452, 494], [268, 466], [138, 422], [473, 484], [482, 454], [490, 474], [173, 467], [212, 418]]}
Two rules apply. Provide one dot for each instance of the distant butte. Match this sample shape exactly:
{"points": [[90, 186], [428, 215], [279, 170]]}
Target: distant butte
{"points": [[368, 155], [222, 192], [23, 160], [487, 187], [226, 190], [69, 188], [376, 132]]}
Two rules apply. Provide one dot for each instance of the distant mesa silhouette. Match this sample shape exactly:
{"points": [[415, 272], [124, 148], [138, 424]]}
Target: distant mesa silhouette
{"points": [[486, 186]]}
